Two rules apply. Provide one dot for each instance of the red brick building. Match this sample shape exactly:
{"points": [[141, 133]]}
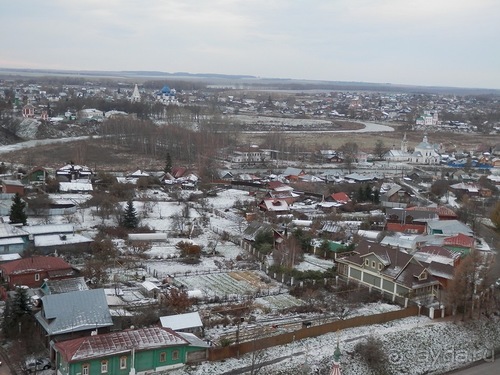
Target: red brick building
{"points": [[13, 187], [32, 271]]}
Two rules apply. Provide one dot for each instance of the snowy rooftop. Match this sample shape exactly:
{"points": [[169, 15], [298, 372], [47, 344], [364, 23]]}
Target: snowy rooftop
{"points": [[181, 321]]}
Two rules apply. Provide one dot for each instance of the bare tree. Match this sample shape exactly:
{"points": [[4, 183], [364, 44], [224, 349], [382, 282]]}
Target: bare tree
{"points": [[470, 283], [349, 153], [140, 247], [177, 301], [380, 149]]}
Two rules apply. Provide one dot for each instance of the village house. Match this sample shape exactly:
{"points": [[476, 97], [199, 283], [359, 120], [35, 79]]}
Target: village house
{"points": [[57, 238], [37, 175], [395, 196], [340, 197], [66, 316], [274, 205], [448, 228], [33, 271], [135, 351], [13, 187], [441, 262], [443, 212], [71, 172], [391, 271], [407, 220], [13, 240], [250, 155], [59, 286], [293, 174]]}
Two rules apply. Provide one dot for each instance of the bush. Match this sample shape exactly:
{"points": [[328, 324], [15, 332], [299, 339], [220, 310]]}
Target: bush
{"points": [[225, 341], [372, 354]]}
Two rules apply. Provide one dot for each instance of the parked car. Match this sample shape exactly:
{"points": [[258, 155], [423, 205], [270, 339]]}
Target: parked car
{"points": [[37, 364]]}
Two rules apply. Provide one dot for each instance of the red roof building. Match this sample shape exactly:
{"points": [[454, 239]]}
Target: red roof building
{"points": [[34, 270], [460, 240], [340, 197], [405, 228], [444, 213]]}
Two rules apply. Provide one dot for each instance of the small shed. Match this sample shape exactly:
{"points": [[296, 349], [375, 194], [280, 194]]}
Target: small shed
{"points": [[189, 322], [147, 237], [150, 288]]}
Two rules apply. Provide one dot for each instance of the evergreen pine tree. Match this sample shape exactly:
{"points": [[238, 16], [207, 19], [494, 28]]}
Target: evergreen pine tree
{"points": [[360, 197], [20, 305], [168, 163], [7, 322], [367, 194], [17, 214], [130, 219], [16, 311]]}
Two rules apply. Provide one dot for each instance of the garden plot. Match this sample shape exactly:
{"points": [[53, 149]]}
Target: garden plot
{"points": [[233, 284], [313, 263], [279, 302]]}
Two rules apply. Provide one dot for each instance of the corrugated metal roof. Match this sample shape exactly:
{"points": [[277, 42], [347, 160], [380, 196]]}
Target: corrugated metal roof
{"points": [[97, 346], [7, 230], [64, 286], [181, 321], [49, 228], [74, 311], [35, 264]]}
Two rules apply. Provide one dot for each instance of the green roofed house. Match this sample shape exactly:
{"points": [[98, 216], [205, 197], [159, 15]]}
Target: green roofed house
{"points": [[139, 351], [331, 249]]}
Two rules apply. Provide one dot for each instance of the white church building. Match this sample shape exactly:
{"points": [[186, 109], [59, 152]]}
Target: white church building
{"points": [[429, 118], [424, 153], [136, 95], [166, 96]]}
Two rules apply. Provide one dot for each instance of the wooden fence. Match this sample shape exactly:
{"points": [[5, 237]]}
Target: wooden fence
{"points": [[220, 353]]}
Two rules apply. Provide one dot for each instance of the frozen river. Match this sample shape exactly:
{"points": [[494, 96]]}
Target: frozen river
{"points": [[370, 127]]}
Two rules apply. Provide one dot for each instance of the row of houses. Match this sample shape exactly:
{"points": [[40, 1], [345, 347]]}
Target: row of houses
{"points": [[81, 327], [44, 238]]}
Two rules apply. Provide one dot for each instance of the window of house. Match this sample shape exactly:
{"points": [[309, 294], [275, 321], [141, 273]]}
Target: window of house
{"points": [[163, 357], [380, 266], [37, 277], [373, 264], [86, 369], [423, 276], [104, 367], [367, 262], [175, 355], [123, 362]]}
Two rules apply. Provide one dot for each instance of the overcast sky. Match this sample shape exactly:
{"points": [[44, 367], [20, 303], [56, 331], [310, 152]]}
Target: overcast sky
{"points": [[421, 42]]}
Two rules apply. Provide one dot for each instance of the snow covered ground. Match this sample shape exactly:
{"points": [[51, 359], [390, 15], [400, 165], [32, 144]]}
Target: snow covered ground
{"points": [[39, 142], [415, 345]]}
